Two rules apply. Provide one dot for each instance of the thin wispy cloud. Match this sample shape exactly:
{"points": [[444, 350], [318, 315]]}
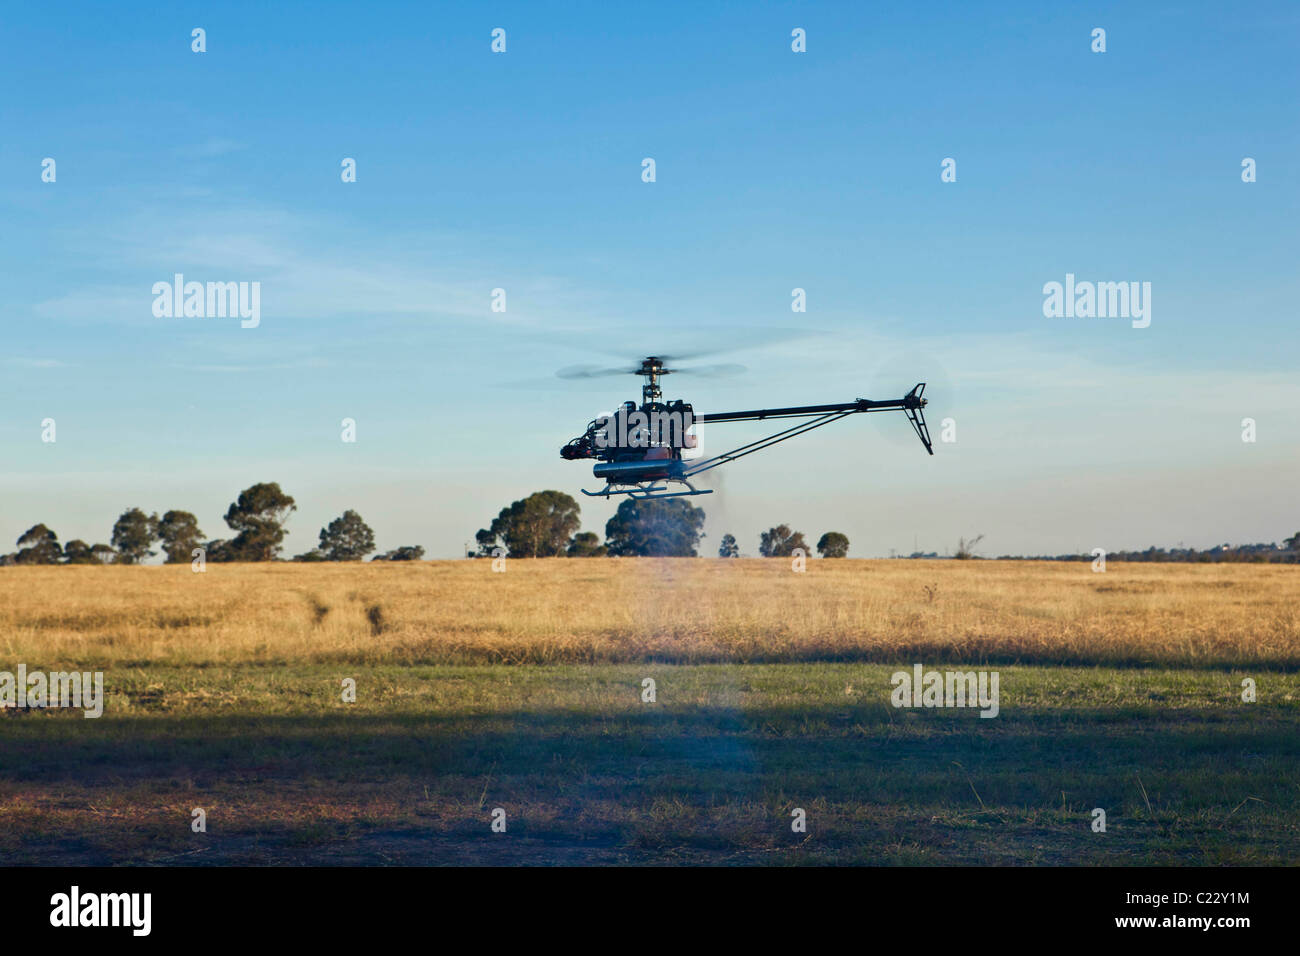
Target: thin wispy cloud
{"points": [[35, 362], [303, 275]]}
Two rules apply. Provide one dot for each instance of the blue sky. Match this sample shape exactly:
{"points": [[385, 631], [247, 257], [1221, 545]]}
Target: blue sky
{"points": [[775, 170]]}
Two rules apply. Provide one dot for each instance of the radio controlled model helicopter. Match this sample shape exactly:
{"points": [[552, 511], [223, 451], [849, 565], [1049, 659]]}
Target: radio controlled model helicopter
{"points": [[639, 451]]}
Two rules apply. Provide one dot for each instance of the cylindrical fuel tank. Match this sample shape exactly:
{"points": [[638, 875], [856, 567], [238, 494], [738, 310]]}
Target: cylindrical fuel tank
{"points": [[634, 471]]}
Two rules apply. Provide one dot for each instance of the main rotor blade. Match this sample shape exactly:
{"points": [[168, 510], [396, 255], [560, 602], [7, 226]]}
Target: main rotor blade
{"points": [[712, 371], [703, 371], [592, 371]]}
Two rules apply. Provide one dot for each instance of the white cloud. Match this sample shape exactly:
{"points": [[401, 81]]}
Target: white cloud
{"points": [[303, 274], [36, 362]]}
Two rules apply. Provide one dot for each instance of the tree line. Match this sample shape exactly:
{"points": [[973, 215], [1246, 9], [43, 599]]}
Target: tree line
{"points": [[546, 523], [1288, 552], [257, 517]]}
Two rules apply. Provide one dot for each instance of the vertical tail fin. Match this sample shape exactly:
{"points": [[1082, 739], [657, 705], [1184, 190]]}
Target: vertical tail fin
{"points": [[915, 409]]}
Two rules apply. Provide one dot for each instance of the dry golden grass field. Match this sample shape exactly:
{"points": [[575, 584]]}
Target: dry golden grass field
{"points": [[679, 610], [522, 690]]}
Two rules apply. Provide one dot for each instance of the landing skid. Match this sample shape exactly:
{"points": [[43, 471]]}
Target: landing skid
{"points": [[643, 491]]}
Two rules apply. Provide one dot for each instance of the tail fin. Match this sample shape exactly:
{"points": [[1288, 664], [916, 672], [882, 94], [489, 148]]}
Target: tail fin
{"points": [[915, 409]]}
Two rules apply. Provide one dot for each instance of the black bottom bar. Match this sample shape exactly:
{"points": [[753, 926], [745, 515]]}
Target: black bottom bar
{"points": [[945, 909]]}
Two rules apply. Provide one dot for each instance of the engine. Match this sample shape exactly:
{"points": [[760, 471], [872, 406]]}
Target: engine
{"points": [[656, 430]]}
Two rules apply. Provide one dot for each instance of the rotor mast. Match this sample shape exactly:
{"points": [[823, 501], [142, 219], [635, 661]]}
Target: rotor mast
{"points": [[652, 368]]}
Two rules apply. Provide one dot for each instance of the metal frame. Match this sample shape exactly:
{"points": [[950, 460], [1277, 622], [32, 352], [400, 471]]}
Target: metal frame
{"points": [[912, 403], [707, 464], [641, 491]]}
